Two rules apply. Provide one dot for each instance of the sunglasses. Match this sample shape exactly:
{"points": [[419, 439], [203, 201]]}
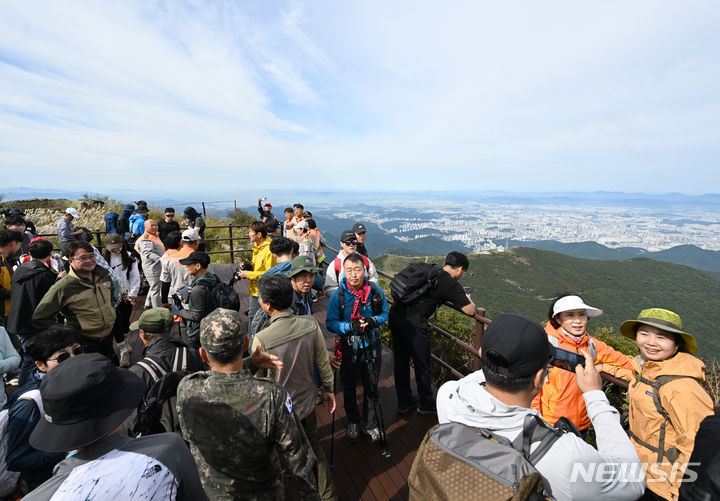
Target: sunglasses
{"points": [[351, 242], [70, 352]]}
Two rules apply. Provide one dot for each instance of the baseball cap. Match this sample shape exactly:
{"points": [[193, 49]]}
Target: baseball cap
{"points": [[73, 212], [516, 346], [568, 303], [197, 257], [359, 228], [155, 320], [84, 398], [190, 235], [113, 241], [348, 236], [300, 264], [222, 330]]}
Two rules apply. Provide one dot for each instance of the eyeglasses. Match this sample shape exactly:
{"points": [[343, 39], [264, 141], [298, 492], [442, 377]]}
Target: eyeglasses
{"points": [[86, 257], [73, 351]]}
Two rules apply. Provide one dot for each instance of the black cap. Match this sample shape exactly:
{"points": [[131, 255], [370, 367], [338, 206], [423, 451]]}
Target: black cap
{"points": [[197, 257], [516, 346], [347, 236], [359, 228], [84, 398]]}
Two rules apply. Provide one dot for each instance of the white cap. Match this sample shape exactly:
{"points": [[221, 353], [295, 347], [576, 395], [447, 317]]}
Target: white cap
{"points": [[73, 212], [190, 235], [568, 303]]}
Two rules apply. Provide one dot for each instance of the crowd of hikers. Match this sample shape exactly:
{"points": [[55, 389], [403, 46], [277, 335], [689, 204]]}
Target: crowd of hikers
{"points": [[221, 402]]}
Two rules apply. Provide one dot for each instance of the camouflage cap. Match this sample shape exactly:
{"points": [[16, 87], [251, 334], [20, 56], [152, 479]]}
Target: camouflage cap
{"points": [[154, 320], [222, 331]]}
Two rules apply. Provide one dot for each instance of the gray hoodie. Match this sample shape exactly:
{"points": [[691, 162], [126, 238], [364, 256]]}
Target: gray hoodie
{"points": [[596, 474]]}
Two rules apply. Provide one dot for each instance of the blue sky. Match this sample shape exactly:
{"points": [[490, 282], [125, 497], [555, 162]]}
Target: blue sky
{"points": [[215, 96]]}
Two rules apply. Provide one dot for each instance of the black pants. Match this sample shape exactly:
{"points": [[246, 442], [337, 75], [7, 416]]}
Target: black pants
{"points": [[409, 342], [351, 371], [122, 321], [103, 346]]}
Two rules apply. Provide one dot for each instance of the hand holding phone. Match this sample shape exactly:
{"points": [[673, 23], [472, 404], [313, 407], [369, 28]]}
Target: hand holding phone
{"points": [[587, 376]]}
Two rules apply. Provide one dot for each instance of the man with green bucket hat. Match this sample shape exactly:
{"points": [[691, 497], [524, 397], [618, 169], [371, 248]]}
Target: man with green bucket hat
{"points": [[667, 401]]}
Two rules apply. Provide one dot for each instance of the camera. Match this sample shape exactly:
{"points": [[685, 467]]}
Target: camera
{"points": [[246, 265]]}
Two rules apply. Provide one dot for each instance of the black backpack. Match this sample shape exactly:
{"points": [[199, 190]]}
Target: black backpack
{"points": [[414, 282], [225, 296], [157, 412]]}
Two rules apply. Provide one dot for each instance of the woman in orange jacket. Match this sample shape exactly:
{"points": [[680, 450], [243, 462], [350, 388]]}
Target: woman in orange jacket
{"points": [[567, 329], [667, 401]]}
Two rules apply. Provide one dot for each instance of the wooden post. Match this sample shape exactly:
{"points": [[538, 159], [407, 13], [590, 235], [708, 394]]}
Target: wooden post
{"points": [[232, 253], [203, 206], [100, 242], [235, 205], [479, 331]]}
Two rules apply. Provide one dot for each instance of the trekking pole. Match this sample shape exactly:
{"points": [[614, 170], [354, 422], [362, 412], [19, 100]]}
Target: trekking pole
{"points": [[373, 377], [332, 427]]}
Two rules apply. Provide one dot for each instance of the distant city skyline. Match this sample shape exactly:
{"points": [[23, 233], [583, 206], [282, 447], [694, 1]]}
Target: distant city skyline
{"points": [[207, 96]]}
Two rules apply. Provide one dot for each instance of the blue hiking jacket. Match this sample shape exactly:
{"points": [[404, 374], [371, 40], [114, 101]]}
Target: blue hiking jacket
{"points": [[341, 325], [137, 225]]}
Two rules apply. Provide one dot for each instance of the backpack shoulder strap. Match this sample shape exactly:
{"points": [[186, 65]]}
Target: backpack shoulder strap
{"points": [[152, 368], [366, 261], [341, 301], [180, 359], [536, 430], [33, 395], [337, 264]]}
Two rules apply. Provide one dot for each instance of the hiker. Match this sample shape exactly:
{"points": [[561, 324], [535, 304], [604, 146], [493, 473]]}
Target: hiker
{"points": [[194, 221], [151, 250], [30, 283], [47, 349], [168, 224], [265, 210], [126, 270], [10, 242], [86, 399], [137, 223], [335, 272], [567, 329], [412, 337], [705, 463], [355, 312], [200, 303], [86, 297], [516, 357], [298, 341], [242, 431], [9, 360], [66, 231], [123, 222], [18, 223], [360, 235], [667, 399], [262, 261]]}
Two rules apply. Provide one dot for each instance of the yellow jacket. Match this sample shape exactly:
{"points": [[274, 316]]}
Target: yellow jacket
{"points": [[560, 395], [686, 404], [262, 261]]}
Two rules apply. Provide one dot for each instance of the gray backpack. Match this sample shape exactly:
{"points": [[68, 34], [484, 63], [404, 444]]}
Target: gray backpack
{"points": [[456, 461]]}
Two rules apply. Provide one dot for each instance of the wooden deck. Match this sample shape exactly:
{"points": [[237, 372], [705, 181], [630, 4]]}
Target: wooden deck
{"points": [[360, 471]]}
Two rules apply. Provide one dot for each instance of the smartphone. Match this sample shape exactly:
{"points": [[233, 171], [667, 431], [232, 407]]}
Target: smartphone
{"points": [[468, 290], [567, 360]]}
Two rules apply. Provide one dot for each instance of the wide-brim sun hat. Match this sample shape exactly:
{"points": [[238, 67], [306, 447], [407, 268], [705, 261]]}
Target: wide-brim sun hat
{"points": [[665, 320], [568, 303], [84, 398]]}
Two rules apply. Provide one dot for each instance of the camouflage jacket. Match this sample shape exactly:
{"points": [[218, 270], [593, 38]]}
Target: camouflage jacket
{"points": [[244, 436]]}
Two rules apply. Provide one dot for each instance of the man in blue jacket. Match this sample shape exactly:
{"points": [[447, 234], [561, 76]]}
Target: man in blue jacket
{"points": [[356, 310]]}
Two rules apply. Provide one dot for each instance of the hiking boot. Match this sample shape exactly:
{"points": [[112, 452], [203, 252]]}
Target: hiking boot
{"points": [[403, 408], [124, 354], [426, 410], [353, 432], [373, 432]]}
